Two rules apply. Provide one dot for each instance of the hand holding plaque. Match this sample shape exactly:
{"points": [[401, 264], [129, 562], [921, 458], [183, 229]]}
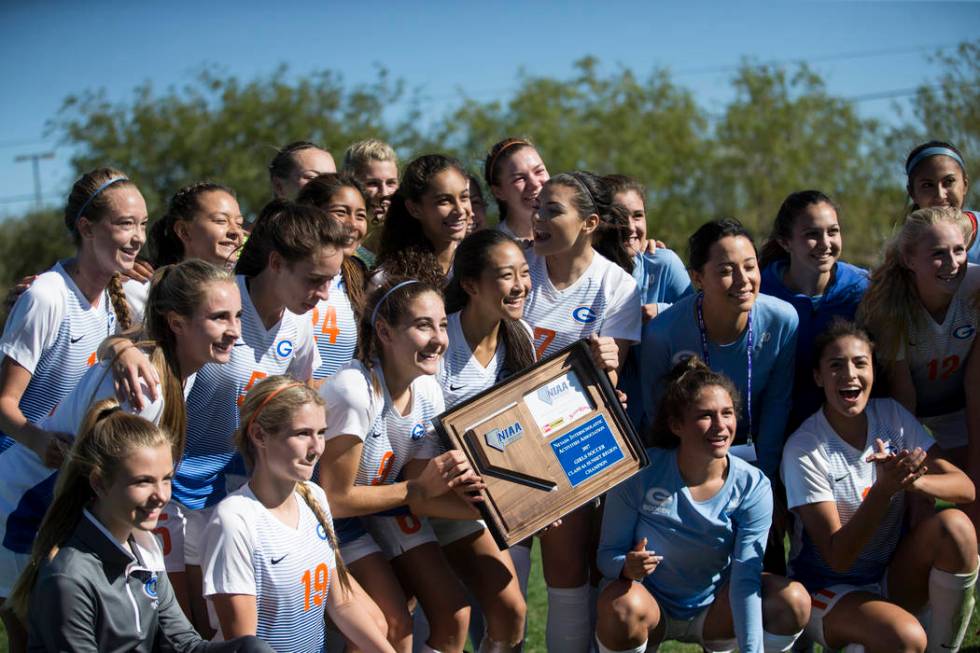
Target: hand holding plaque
{"points": [[545, 441]]}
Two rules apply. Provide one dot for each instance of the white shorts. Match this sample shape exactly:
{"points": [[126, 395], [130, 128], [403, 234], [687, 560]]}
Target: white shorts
{"points": [[197, 521], [400, 533], [358, 548], [823, 601], [691, 631], [449, 530], [171, 533]]}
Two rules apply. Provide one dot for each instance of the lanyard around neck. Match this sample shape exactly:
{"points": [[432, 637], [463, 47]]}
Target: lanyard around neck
{"points": [[748, 356]]}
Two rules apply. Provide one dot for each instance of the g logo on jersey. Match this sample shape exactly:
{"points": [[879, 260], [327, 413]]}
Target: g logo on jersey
{"points": [[657, 499], [418, 432], [964, 332], [150, 587], [284, 348], [585, 315], [321, 531]]}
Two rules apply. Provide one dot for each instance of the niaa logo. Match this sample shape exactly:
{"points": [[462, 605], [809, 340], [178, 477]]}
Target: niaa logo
{"points": [[964, 331], [321, 532], [284, 348], [548, 393], [584, 314], [500, 438], [418, 432]]}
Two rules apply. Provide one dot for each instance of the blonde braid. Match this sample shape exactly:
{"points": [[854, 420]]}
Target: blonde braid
{"points": [[119, 304], [304, 491]]}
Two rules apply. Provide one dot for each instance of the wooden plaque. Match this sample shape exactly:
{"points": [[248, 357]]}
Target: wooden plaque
{"points": [[545, 441]]}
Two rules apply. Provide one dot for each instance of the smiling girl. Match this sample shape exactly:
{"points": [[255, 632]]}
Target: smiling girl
{"points": [[278, 528], [92, 584], [922, 310], [380, 464], [682, 542], [54, 328], [192, 319], [581, 288], [515, 173], [749, 337], [848, 472], [428, 217], [936, 174], [342, 198], [801, 265]]}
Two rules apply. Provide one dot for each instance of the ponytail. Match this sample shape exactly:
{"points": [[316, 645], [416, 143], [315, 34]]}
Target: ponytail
{"points": [[119, 304], [106, 437]]}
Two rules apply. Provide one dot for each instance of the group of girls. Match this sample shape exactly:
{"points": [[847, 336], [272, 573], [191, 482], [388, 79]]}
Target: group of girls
{"points": [[274, 432]]}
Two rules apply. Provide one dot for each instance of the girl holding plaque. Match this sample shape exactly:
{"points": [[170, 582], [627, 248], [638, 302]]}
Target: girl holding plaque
{"points": [[581, 288], [850, 472], [682, 542], [380, 464]]}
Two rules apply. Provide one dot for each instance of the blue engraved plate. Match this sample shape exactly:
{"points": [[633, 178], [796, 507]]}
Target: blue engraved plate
{"points": [[586, 450]]}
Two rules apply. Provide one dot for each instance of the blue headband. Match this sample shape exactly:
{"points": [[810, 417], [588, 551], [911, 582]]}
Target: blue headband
{"points": [[933, 151], [98, 190], [374, 313]]}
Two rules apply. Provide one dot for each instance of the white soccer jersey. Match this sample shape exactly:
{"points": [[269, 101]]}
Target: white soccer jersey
{"points": [[136, 293], [289, 571], [211, 467], [54, 332], [460, 374], [936, 356], [819, 466], [358, 404], [604, 301], [335, 329], [28, 485]]}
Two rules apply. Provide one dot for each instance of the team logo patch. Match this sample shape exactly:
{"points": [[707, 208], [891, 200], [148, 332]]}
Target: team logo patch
{"points": [[150, 587], [500, 438], [964, 331], [657, 499], [321, 532], [284, 348], [585, 315], [418, 432]]}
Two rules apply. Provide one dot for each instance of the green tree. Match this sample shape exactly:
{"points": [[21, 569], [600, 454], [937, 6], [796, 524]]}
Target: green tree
{"points": [[223, 129], [782, 133], [30, 244]]}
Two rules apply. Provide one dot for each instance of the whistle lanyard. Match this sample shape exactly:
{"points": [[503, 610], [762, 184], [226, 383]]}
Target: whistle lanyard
{"points": [[748, 357]]}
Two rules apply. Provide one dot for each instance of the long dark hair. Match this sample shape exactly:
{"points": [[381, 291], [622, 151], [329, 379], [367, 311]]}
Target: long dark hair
{"points": [[782, 227], [390, 303], [472, 259], [294, 231], [403, 249], [318, 192], [593, 195]]}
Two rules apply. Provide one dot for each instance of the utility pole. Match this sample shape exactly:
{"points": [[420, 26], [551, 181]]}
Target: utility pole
{"points": [[35, 158]]}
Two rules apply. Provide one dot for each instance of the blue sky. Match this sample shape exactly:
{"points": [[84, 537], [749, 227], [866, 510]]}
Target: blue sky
{"points": [[49, 50]]}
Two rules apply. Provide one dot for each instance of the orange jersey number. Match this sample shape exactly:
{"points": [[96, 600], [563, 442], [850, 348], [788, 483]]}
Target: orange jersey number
{"points": [[943, 369], [542, 338], [329, 326], [315, 586], [252, 380]]}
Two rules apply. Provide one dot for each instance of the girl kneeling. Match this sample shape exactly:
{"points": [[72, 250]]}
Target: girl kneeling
{"points": [[847, 470], [683, 541]]}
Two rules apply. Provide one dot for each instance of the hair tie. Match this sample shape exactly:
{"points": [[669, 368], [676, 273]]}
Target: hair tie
{"points": [[269, 398], [584, 187], [374, 313], [933, 151], [503, 148], [96, 194]]}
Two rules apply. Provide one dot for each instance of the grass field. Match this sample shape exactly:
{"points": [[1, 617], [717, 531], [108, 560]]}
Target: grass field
{"points": [[537, 600]]}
